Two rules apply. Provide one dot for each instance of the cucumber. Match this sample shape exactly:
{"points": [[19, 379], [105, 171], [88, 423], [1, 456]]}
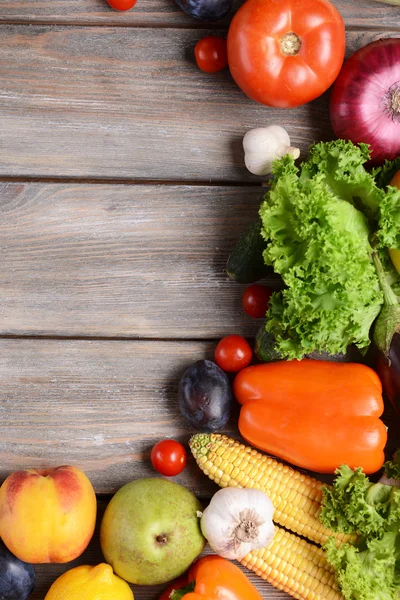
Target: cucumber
{"points": [[265, 346], [246, 263], [266, 351]]}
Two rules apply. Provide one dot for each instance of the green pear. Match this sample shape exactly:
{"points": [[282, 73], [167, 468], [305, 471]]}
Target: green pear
{"points": [[150, 532]]}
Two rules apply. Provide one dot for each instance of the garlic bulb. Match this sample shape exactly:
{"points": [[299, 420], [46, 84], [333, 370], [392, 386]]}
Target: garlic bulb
{"points": [[238, 520], [263, 145]]}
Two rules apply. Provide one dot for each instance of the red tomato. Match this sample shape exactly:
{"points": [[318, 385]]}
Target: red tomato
{"points": [[233, 353], [210, 53], [255, 300], [285, 53], [122, 4], [177, 584], [168, 457]]}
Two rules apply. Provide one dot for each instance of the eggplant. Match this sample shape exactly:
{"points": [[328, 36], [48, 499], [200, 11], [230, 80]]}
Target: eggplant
{"points": [[387, 340], [387, 365]]}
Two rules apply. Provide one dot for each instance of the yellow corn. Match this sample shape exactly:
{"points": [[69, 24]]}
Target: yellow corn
{"points": [[296, 497], [295, 566]]}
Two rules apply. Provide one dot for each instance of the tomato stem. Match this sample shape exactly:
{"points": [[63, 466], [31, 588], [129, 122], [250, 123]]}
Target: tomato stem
{"points": [[290, 44]]}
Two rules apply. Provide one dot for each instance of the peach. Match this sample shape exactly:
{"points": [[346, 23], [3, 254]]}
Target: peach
{"points": [[47, 516]]}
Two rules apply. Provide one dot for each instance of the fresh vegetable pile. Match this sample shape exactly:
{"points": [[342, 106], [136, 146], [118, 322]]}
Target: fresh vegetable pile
{"points": [[369, 569], [366, 566], [330, 229], [318, 223]]}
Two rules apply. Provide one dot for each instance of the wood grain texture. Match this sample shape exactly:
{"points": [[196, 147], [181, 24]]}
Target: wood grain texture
{"points": [[47, 574], [122, 261], [116, 104], [98, 405], [360, 13]]}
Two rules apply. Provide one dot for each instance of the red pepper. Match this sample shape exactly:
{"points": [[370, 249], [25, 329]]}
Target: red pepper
{"points": [[215, 578], [175, 585]]}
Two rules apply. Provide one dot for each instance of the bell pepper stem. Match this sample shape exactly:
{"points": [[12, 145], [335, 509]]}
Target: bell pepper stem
{"points": [[181, 593]]}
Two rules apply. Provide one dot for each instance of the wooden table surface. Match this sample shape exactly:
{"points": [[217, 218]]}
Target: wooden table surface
{"points": [[122, 192]]}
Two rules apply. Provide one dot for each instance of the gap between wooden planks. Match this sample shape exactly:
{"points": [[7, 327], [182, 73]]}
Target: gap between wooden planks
{"points": [[122, 261], [165, 13], [135, 108], [98, 405]]}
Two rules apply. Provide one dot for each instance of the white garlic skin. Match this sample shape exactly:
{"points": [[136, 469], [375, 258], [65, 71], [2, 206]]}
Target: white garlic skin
{"points": [[263, 145], [221, 517]]}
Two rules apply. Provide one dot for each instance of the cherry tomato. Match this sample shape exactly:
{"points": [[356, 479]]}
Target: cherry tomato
{"points": [[210, 53], [286, 53], [255, 300], [168, 457], [233, 353], [122, 4], [177, 584]]}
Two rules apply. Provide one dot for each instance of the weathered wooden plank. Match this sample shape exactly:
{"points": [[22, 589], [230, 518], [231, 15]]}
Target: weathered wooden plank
{"points": [[46, 574], [360, 13], [122, 261], [98, 405], [112, 103]]}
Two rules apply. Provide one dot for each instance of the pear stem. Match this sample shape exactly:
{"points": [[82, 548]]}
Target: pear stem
{"points": [[389, 295]]}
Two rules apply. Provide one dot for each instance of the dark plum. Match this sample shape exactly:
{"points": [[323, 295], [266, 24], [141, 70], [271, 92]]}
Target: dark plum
{"points": [[205, 396], [206, 10], [17, 578]]}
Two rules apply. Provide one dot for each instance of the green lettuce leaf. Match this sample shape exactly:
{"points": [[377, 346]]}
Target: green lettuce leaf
{"points": [[319, 243], [355, 505], [392, 276], [371, 570], [392, 467], [388, 232], [342, 165], [384, 174]]}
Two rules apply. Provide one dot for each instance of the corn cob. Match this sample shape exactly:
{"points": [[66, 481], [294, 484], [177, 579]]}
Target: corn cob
{"points": [[296, 497], [295, 566]]}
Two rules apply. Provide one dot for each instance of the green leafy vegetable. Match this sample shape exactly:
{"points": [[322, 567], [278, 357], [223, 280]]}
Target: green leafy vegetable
{"points": [[370, 568], [370, 571], [318, 223], [392, 467], [341, 163], [355, 505], [319, 243], [388, 232], [384, 174]]}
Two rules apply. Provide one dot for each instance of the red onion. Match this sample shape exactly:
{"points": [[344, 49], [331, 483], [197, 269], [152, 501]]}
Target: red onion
{"points": [[365, 101]]}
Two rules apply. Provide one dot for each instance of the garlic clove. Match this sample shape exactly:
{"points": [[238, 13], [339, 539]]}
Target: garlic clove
{"points": [[263, 145]]}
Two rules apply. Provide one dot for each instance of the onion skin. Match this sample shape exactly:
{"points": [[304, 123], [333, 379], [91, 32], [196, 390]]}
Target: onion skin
{"points": [[365, 100]]}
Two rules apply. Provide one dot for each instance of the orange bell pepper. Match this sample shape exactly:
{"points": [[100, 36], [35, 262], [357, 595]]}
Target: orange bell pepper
{"points": [[314, 414], [215, 578]]}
